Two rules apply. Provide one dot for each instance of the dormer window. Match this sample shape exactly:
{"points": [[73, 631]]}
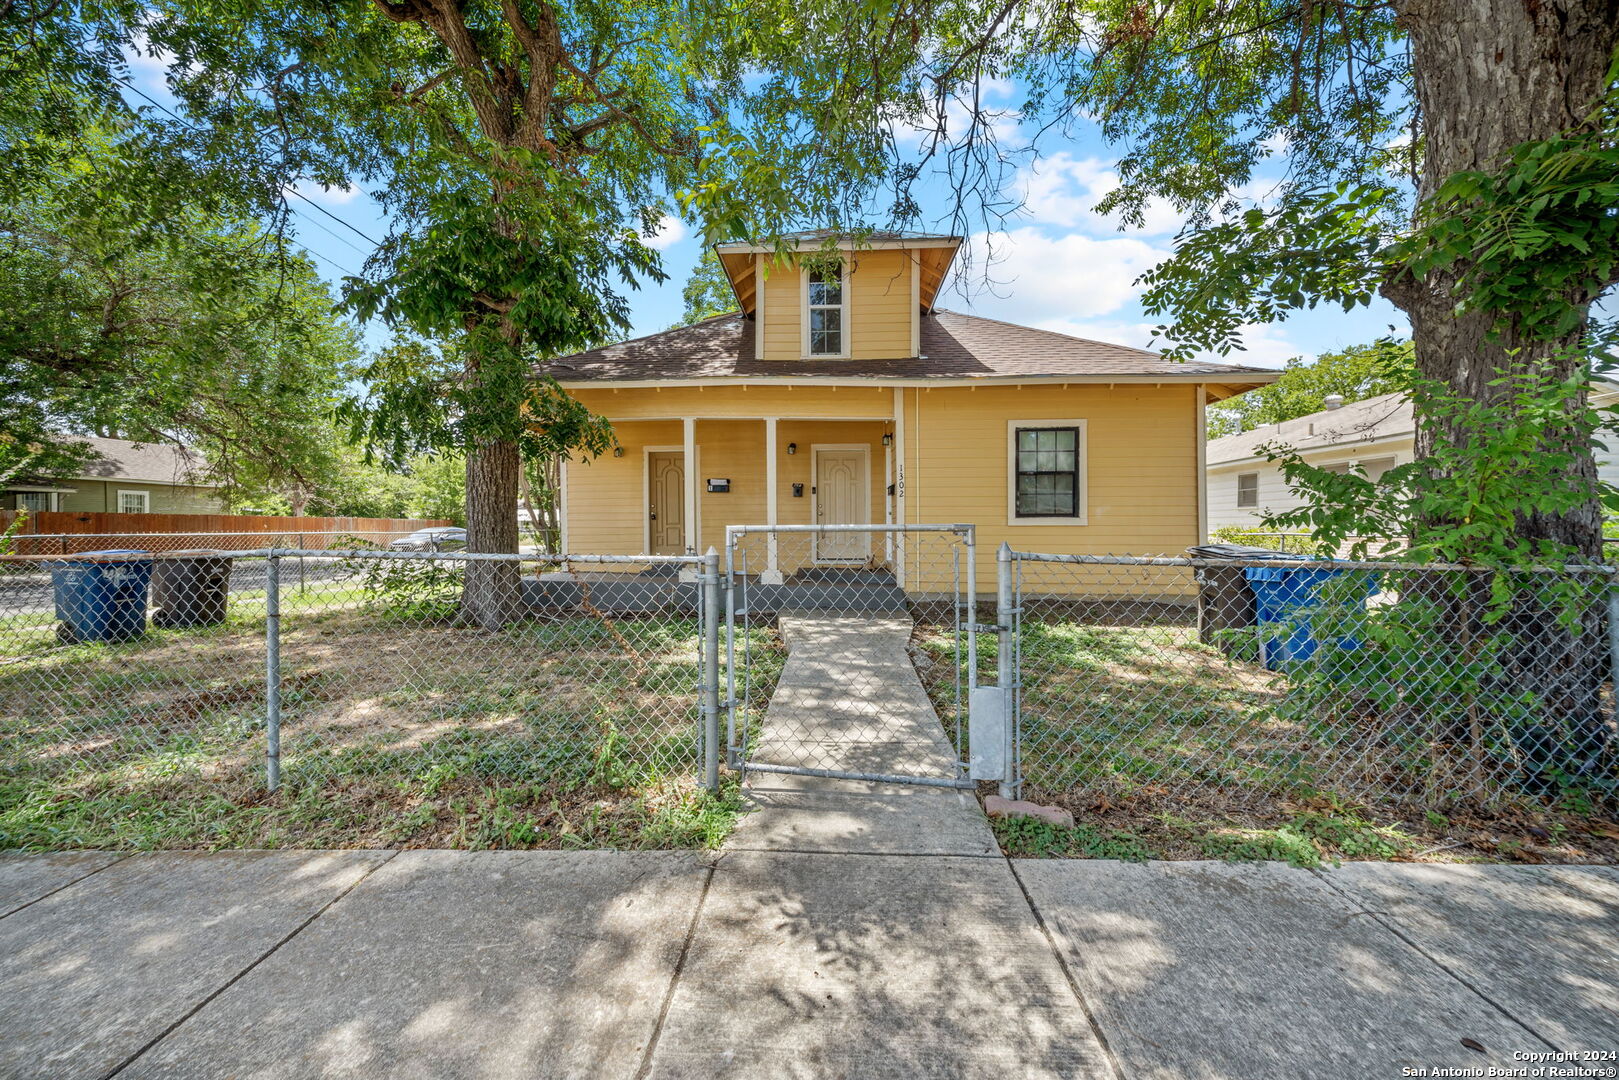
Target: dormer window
{"points": [[826, 317]]}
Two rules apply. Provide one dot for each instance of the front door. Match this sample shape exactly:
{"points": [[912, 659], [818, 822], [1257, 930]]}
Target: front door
{"points": [[666, 503], [841, 499]]}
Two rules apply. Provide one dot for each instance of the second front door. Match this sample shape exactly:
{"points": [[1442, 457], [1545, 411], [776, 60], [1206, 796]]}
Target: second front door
{"points": [[666, 502]]}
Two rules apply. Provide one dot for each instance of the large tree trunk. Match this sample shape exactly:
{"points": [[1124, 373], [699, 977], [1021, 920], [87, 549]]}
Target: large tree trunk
{"points": [[490, 597], [1489, 75]]}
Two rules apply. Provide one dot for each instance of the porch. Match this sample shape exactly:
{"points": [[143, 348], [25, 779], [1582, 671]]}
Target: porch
{"points": [[673, 485]]}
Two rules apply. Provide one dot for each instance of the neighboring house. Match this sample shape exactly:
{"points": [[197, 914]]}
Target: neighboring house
{"points": [[845, 396], [1377, 434], [125, 478]]}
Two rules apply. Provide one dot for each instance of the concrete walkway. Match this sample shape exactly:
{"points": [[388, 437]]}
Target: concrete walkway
{"points": [[849, 700], [500, 965]]}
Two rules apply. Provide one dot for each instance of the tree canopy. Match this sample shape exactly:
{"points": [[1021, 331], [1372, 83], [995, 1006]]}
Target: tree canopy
{"points": [[707, 291], [196, 327]]}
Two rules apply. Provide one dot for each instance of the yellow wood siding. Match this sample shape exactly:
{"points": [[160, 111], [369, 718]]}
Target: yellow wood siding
{"points": [[1141, 477], [783, 307], [606, 496], [879, 307], [1140, 463]]}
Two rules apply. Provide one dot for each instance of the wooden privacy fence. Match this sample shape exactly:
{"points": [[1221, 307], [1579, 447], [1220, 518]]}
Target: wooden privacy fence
{"points": [[61, 533]]}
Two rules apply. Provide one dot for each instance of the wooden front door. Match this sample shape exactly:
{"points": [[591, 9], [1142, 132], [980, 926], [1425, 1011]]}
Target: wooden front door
{"points": [[666, 503], [841, 498]]}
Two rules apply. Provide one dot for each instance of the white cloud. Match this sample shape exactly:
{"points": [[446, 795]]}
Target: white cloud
{"points": [[1061, 190], [993, 110], [670, 231], [1040, 279], [1085, 286]]}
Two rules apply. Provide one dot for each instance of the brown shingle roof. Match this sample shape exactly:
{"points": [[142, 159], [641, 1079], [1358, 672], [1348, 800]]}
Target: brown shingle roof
{"points": [[954, 346]]}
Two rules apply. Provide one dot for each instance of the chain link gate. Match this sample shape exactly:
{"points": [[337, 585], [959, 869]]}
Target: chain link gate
{"points": [[852, 654]]}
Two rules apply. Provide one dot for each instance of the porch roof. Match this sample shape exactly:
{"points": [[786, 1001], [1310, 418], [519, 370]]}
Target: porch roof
{"points": [[955, 348]]}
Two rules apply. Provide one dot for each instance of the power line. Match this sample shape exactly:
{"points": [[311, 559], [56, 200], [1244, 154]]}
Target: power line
{"points": [[340, 266], [328, 213], [351, 245], [288, 190]]}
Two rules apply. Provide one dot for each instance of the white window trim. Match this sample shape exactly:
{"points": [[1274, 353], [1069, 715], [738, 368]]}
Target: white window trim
{"points": [[1083, 473], [804, 317], [146, 501], [1247, 506]]}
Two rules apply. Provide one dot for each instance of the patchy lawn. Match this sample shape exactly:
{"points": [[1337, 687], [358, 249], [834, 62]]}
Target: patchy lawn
{"points": [[570, 732], [1164, 748]]}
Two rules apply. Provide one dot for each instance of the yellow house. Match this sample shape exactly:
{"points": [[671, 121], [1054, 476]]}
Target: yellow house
{"points": [[840, 394]]}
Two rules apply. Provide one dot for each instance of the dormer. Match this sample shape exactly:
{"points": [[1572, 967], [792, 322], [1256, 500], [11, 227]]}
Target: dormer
{"points": [[822, 295]]}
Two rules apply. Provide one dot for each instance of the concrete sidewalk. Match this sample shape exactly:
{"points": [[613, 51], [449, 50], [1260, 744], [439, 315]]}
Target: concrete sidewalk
{"points": [[601, 964]]}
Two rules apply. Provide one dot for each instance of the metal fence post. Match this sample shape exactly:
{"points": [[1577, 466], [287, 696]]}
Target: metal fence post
{"points": [[272, 672], [1006, 673], [710, 579]]}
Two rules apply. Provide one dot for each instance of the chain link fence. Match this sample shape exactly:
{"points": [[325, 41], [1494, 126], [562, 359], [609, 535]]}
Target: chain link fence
{"points": [[1176, 682], [190, 678]]}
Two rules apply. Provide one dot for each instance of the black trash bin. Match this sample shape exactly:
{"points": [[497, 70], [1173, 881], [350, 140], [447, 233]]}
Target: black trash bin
{"points": [[101, 595], [191, 588], [1225, 599]]}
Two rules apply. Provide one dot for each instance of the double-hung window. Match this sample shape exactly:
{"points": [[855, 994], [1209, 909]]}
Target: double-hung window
{"points": [[826, 321], [1048, 472], [134, 502], [1248, 489]]}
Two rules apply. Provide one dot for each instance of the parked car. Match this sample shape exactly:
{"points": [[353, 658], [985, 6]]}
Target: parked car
{"points": [[439, 538]]}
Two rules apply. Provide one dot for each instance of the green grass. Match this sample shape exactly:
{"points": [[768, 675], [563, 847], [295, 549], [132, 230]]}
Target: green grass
{"points": [[1163, 747], [568, 732]]}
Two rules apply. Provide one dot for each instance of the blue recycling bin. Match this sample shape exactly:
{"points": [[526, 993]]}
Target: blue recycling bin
{"points": [[100, 598], [1284, 595]]}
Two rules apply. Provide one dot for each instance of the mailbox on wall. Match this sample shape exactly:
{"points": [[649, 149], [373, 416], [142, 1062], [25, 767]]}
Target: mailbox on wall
{"points": [[718, 484]]}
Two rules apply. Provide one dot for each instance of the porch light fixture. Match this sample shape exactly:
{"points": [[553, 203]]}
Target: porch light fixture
{"points": [[792, 448], [618, 451], [888, 440]]}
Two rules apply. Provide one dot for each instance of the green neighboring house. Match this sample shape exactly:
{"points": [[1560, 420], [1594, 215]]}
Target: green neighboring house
{"points": [[124, 478]]}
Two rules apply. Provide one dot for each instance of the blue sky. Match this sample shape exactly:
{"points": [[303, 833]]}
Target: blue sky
{"points": [[1057, 264]]}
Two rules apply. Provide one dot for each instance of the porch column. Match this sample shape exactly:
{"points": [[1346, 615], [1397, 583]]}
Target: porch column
{"points": [[1202, 464], [899, 483], [772, 574], [689, 460]]}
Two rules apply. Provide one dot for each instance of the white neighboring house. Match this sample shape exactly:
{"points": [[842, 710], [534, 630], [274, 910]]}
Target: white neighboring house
{"points": [[1378, 433]]}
